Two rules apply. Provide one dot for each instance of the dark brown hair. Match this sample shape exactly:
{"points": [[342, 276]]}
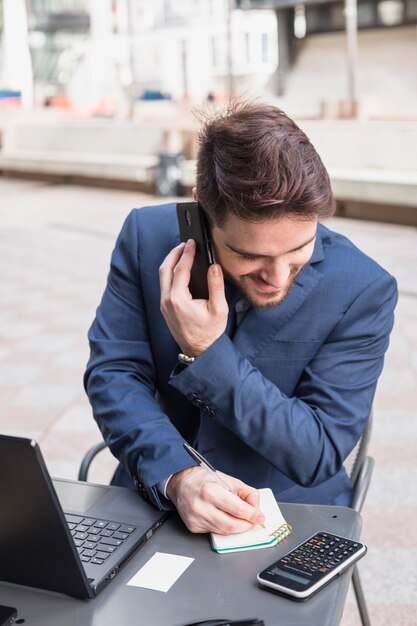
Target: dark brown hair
{"points": [[254, 162]]}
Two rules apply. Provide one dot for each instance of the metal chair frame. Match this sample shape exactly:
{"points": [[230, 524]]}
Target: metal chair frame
{"points": [[88, 459], [360, 475]]}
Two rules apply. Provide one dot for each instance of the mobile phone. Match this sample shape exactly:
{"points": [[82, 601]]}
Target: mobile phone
{"points": [[8, 615], [311, 565], [193, 225]]}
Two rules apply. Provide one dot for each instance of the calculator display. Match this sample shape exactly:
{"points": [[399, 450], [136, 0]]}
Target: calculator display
{"points": [[282, 572]]}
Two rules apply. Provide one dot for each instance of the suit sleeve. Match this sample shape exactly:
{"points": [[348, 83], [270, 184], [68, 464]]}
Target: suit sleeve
{"points": [[120, 375], [307, 436]]}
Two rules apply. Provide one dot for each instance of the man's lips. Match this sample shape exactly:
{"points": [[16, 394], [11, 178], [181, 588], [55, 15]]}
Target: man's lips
{"points": [[262, 285]]}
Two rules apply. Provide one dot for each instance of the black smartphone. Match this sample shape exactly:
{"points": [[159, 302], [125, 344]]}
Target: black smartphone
{"points": [[303, 571], [8, 615], [193, 224]]}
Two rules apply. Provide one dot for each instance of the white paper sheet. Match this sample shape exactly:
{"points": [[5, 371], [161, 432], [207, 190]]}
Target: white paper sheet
{"points": [[161, 571]]}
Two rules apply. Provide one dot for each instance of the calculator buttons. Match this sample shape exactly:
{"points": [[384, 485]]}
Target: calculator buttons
{"points": [[320, 554]]}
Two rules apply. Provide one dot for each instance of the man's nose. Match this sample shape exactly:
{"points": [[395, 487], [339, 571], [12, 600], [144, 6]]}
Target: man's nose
{"points": [[277, 273]]}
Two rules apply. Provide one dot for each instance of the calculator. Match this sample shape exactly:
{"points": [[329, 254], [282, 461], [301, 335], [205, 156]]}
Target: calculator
{"points": [[311, 565]]}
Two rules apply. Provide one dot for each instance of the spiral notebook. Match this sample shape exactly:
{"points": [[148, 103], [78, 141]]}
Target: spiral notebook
{"points": [[276, 529]]}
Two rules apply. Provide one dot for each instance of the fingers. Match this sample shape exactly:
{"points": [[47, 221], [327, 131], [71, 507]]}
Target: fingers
{"points": [[217, 298], [206, 506], [167, 268], [252, 499], [216, 510], [182, 270], [248, 494], [243, 504], [175, 274], [175, 271], [206, 516]]}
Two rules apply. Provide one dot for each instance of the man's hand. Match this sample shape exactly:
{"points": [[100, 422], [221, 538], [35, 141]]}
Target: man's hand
{"points": [[205, 506], [194, 324]]}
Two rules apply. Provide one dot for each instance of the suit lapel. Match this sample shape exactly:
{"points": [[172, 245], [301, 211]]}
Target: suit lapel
{"points": [[259, 326]]}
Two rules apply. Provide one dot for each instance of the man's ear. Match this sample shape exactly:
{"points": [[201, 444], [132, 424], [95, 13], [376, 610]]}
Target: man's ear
{"points": [[195, 194]]}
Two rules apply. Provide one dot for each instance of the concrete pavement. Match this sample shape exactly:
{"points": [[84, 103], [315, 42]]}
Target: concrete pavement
{"points": [[55, 244]]}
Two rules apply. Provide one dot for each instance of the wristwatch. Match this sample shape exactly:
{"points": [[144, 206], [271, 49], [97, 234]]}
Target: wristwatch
{"points": [[183, 358]]}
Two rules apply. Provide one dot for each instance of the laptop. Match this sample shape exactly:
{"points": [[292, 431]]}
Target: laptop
{"points": [[62, 535]]}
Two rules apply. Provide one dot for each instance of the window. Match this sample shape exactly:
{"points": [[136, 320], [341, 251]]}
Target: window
{"points": [[366, 14], [214, 52], [371, 14], [390, 12], [300, 25], [247, 48], [265, 47], [411, 10]]}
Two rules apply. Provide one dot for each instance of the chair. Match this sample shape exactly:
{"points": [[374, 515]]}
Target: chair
{"points": [[359, 467], [88, 459]]}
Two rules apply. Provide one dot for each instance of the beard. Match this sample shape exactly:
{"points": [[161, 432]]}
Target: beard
{"points": [[267, 300]]}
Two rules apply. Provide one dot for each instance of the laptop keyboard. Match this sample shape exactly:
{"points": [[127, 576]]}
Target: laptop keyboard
{"points": [[97, 539]]}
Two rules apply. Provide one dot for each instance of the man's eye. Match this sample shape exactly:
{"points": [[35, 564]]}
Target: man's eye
{"points": [[247, 257]]}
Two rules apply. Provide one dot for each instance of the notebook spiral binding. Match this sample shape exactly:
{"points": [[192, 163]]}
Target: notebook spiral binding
{"points": [[282, 532]]}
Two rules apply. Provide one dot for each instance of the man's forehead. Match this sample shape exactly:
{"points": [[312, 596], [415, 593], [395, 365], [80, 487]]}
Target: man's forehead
{"points": [[289, 220], [266, 237]]}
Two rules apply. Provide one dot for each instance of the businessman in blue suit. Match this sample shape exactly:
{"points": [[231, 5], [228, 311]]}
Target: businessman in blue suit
{"points": [[272, 378]]}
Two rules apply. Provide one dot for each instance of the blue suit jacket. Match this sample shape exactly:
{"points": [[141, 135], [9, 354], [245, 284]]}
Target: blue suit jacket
{"points": [[280, 404]]}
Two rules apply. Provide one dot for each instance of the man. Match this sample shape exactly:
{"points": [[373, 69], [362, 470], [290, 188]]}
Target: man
{"points": [[281, 362]]}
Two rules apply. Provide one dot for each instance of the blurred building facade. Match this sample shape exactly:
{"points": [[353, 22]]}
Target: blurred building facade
{"points": [[120, 50], [314, 54], [196, 47], [109, 53]]}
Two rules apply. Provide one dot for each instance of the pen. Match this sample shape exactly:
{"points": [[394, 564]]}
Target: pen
{"points": [[202, 462]]}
